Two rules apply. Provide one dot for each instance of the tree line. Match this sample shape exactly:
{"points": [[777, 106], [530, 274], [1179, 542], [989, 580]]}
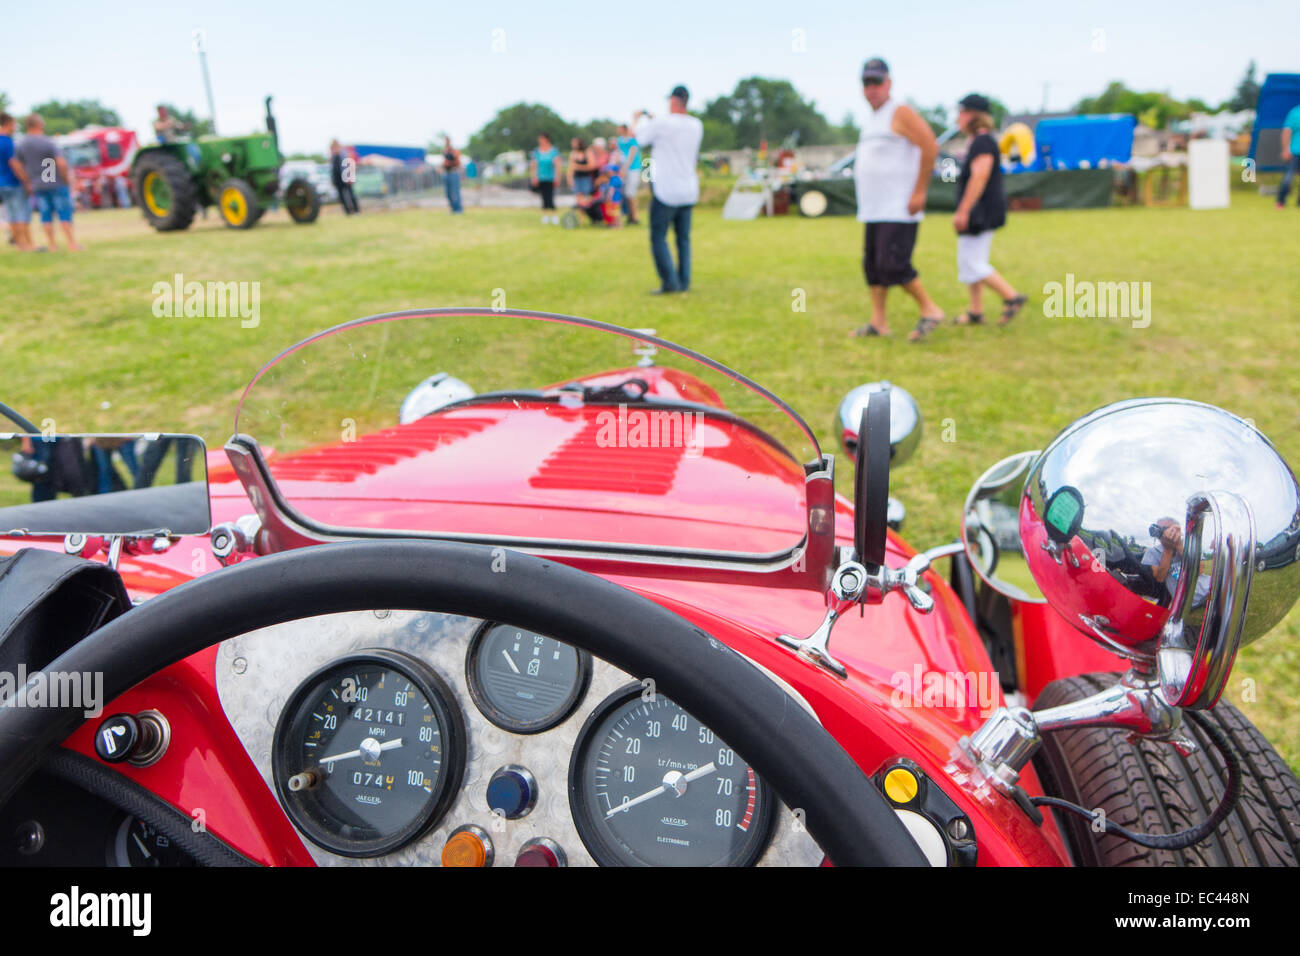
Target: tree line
{"points": [[759, 109]]}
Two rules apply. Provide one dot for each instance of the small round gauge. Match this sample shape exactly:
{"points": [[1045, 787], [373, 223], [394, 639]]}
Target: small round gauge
{"points": [[135, 843], [369, 753], [522, 681], [649, 785]]}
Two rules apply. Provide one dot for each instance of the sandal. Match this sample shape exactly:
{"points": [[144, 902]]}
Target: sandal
{"points": [[867, 331], [1011, 308], [924, 326], [968, 318]]}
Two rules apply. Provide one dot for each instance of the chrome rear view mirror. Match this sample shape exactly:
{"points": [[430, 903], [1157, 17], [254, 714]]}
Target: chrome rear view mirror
{"points": [[990, 529]]}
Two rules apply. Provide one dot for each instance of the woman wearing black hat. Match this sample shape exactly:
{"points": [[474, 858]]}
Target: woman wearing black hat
{"points": [[981, 209]]}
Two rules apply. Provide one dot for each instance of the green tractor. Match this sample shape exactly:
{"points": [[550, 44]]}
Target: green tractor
{"points": [[240, 175]]}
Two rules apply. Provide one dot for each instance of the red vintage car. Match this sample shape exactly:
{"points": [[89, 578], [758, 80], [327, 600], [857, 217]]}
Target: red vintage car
{"points": [[100, 157], [425, 607]]}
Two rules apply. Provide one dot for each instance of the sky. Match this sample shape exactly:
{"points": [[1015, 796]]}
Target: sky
{"points": [[399, 71]]}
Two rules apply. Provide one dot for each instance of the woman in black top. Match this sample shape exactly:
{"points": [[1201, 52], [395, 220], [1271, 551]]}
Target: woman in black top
{"points": [[981, 209], [581, 168]]}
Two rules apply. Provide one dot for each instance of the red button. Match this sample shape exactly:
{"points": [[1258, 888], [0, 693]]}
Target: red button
{"points": [[537, 855]]}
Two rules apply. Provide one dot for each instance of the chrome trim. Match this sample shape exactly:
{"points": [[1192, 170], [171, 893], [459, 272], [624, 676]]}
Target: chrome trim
{"points": [[233, 541], [1194, 663], [161, 738], [1006, 742], [846, 586], [882, 580]]}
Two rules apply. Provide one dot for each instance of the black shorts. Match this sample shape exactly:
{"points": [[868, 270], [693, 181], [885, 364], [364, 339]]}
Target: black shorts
{"points": [[887, 253]]}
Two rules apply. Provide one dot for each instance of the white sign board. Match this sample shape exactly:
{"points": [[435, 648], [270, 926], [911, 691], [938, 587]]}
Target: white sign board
{"points": [[1207, 174]]}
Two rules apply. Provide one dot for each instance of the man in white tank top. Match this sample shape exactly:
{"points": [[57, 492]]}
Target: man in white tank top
{"points": [[891, 171]]}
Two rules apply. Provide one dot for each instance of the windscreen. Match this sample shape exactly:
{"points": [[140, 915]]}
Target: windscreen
{"points": [[529, 427]]}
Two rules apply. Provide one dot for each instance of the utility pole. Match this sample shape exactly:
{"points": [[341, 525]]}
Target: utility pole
{"points": [[199, 38]]}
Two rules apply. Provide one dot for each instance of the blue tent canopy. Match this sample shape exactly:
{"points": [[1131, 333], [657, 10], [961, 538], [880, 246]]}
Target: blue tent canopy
{"points": [[1070, 142], [1279, 94], [407, 154]]}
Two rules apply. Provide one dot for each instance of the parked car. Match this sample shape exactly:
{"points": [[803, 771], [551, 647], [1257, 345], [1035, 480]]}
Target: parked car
{"points": [[318, 174]]}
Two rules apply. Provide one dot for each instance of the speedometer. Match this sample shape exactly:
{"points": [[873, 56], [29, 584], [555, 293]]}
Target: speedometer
{"points": [[369, 753], [649, 785]]}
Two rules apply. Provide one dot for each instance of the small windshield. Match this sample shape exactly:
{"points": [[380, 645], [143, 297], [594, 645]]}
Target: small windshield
{"points": [[528, 426], [82, 155]]}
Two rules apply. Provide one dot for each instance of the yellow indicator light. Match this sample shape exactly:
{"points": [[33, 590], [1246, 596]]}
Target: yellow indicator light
{"points": [[464, 849], [900, 785]]}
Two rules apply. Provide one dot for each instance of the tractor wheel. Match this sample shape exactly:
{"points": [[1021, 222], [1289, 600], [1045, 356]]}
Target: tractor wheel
{"points": [[301, 200], [238, 204], [1149, 787], [165, 191]]}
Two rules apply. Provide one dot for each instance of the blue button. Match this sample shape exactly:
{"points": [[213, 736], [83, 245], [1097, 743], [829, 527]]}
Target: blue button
{"points": [[512, 792]]}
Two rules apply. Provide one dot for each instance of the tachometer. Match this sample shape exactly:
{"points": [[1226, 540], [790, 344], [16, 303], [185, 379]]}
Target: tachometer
{"points": [[369, 753], [649, 785], [522, 681]]}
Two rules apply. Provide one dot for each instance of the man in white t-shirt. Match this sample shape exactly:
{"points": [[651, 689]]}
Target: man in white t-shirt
{"points": [[892, 170], [674, 141]]}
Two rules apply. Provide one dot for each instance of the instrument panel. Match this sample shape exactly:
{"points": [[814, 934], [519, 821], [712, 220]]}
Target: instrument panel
{"points": [[486, 744]]}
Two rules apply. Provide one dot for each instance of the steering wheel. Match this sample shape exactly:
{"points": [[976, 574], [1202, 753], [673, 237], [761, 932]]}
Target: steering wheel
{"points": [[847, 816]]}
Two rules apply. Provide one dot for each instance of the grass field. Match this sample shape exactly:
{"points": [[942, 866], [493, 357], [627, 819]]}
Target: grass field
{"points": [[79, 342]]}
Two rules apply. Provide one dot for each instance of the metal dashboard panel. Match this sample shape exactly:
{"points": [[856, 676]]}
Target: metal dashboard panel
{"points": [[258, 671]]}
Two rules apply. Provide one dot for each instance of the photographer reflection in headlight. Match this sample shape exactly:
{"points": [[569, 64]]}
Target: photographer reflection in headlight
{"points": [[1165, 558]]}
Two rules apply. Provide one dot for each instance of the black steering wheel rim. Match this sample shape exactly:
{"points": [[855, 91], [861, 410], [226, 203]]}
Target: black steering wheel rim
{"points": [[848, 817]]}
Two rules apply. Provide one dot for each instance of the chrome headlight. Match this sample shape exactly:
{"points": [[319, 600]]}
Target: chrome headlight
{"points": [[435, 392], [904, 420], [1169, 530]]}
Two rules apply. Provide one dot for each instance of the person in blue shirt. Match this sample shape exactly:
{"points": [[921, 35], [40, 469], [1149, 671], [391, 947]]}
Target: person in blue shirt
{"points": [[1290, 154], [631, 151], [543, 171], [18, 208]]}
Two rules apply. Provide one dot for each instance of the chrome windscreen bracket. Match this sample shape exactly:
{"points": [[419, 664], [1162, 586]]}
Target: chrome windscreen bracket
{"points": [[846, 586]]}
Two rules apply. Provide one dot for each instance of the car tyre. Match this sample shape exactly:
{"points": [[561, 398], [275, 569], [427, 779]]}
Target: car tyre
{"points": [[1147, 786]]}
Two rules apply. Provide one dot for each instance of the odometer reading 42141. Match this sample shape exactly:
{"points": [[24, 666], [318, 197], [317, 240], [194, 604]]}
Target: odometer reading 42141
{"points": [[649, 785], [369, 753]]}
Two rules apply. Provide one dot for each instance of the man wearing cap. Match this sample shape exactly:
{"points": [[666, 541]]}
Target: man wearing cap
{"points": [[675, 143], [891, 171]]}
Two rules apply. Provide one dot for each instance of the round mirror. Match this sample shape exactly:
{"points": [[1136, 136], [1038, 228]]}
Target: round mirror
{"points": [[991, 529], [1165, 527]]}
